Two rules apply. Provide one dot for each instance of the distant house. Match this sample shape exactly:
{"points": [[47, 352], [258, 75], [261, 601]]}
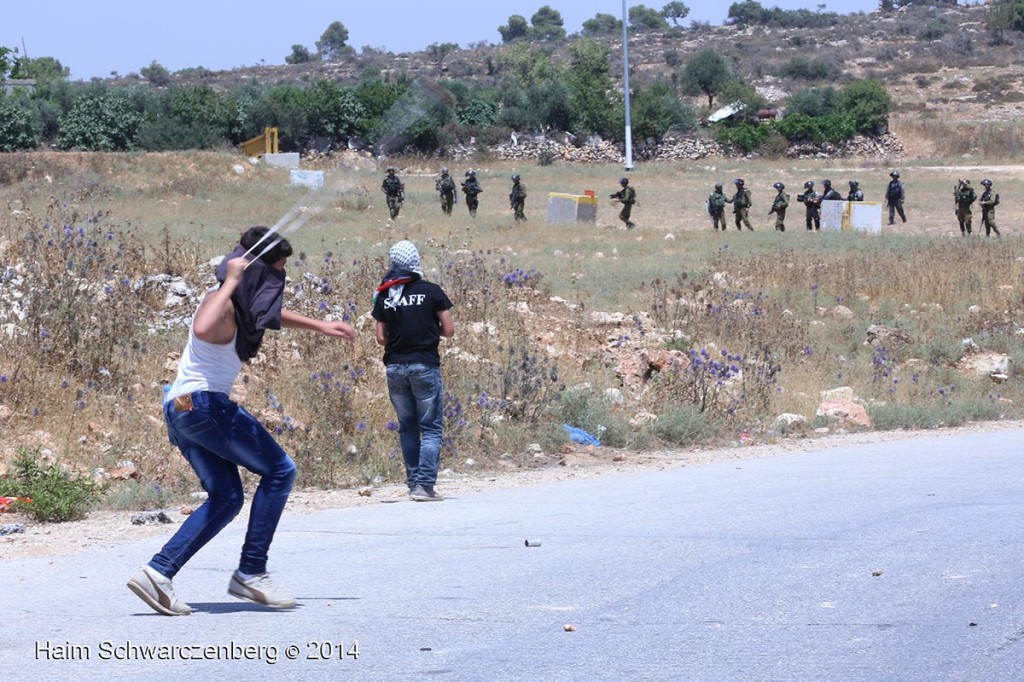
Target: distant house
{"points": [[15, 84]]}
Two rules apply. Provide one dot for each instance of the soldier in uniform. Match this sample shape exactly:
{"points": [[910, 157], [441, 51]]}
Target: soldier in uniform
{"points": [[517, 198], [830, 194], [894, 196], [963, 197], [446, 188], [988, 202], [779, 206], [741, 202], [811, 201], [627, 197], [716, 207], [394, 192], [471, 188], [856, 193]]}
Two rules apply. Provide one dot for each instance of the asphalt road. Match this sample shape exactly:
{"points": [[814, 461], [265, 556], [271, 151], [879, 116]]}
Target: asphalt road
{"points": [[895, 561]]}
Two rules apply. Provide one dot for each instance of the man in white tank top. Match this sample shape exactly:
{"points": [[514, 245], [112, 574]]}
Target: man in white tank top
{"points": [[217, 436]]}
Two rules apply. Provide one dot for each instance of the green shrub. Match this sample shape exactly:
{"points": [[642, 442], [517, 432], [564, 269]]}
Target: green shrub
{"points": [[802, 68], [867, 102], [585, 409], [581, 407], [943, 351], [167, 134], [56, 496], [813, 102], [156, 73], [935, 30], [100, 123], [478, 112], [684, 426], [889, 417], [832, 128], [16, 128], [331, 110], [746, 136], [960, 412], [135, 496], [657, 109], [775, 146]]}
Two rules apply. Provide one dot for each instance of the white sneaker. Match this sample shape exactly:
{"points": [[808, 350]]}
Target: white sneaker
{"points": [[155, 589], [259, 589]]}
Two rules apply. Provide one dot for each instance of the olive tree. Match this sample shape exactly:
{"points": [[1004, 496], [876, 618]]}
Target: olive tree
{"points": [[707, 72], [676, 11], [332, 43], [516, 28]]}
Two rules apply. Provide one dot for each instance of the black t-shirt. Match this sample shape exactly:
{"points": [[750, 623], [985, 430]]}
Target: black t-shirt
{"points": [[414, 331]]}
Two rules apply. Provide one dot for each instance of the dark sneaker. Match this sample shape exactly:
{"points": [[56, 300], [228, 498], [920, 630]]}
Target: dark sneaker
{"points": [[155, 589], [261, 590], [422, 493]]}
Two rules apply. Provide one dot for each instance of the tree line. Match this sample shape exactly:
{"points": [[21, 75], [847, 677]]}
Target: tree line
{"points": [[529, 87], [531, 92]]}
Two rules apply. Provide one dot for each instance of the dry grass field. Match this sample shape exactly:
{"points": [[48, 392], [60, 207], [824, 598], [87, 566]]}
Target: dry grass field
{"points": [[669, 335]]}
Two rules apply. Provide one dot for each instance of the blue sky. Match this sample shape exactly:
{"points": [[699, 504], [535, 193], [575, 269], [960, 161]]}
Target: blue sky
{"points": [[95, 38]]}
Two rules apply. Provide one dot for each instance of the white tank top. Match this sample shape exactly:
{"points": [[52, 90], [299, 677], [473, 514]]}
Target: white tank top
{"points": [[205, 366]]}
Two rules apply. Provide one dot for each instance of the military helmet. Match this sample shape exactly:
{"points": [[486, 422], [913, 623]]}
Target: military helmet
{"points": [[515, 178], [444, 171], [986, 182], [738, 182], [719, 185], [471, 174], [391, 170], [826, 183], [779, 186], [809, 184], [854, 184], [894, 174], [624, 181]]}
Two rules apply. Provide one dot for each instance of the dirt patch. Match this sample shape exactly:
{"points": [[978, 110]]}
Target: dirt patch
{"points": [[106, 528]]}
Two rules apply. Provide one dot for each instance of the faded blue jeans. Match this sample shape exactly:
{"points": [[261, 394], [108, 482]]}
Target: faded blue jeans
{"points": [[415, 391], [216, 437]]}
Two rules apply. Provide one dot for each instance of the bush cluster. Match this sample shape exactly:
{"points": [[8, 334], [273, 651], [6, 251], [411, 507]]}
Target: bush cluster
{"points": [[752, 13], [47, 492], [531, 91], [817, 115]]}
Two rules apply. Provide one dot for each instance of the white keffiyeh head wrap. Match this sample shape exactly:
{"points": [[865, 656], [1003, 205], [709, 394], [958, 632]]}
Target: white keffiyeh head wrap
{"points": [[405, 256]]}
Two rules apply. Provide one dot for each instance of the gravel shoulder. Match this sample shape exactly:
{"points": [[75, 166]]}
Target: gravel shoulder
{"points": [[110, 528]]}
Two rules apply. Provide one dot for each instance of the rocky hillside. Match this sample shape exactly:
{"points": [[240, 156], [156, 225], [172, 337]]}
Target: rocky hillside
{"points": [[930, 59]]}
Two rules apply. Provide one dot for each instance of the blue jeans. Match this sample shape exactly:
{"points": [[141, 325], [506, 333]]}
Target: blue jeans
{"points": [[216, 437], [415, 391]]}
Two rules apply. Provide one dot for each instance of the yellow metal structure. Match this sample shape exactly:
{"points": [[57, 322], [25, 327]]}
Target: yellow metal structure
{"points": [[261, 144]]}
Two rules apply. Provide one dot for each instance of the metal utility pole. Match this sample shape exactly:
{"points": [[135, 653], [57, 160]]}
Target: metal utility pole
{"points": [[625, 87]]}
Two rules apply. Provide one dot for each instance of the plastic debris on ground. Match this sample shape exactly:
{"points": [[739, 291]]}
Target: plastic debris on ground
{"points": [[7, 503], [580, 436]]}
